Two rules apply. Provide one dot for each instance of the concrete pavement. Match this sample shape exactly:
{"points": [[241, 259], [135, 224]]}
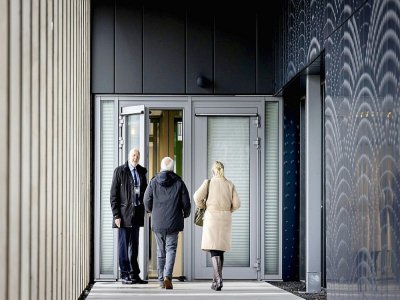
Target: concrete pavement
{"points": [[232, 290]]}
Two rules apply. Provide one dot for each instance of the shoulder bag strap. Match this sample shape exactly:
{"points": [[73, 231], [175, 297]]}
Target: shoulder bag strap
{"points": [[208, 188]]}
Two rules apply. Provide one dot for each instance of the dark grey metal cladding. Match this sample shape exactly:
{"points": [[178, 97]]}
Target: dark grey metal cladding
{"points": [[235, 48], [144, 49], [128, 47], [164, 50], [199, 51], [102, 64], [265, 53]]}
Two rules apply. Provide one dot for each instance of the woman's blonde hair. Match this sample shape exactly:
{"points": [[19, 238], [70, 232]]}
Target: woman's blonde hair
{"points": [[218, 169]]}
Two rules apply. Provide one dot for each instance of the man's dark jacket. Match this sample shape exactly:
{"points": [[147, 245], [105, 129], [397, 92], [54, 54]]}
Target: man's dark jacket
{"points": [[121, 196], [168, 200]]}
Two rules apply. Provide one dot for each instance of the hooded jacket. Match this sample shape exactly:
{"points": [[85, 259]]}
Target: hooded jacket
{"points": [[167, 199]]}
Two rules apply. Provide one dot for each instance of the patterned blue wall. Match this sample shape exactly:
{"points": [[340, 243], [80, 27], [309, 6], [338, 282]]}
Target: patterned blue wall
{"points": [[291, 192], [337, 12], [362, 153], [361, 42], [299, 37]]}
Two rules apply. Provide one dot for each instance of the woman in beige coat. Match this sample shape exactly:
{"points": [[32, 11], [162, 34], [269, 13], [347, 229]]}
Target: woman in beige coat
{"points": [[217, 224]]}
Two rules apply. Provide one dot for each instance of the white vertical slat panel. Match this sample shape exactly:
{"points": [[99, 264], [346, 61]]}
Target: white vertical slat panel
{"points": [[64, 153], [106, 170], [86, 87], [228, 140], [72, 169], [271, 189], [26, 149], [79, 220], [79, 273], [78, 166], [43, 160], [85, 256], [56, 149], [50, 124], [4, 145], [14, 231], [83, 259], [86, 82], [67, 147], [46, 205], [34, 231], [75, 167], [61, 158]]}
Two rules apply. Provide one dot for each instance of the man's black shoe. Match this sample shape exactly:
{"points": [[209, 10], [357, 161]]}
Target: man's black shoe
{"points": [[126, 280], [139, 280]]}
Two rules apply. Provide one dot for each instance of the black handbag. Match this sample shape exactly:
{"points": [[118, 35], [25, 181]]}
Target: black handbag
{"points": [[199, 214]]}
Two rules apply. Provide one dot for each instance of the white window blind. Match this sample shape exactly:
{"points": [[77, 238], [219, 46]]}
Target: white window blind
{"points": [[271, 189], [228, 140], [106, 172]]}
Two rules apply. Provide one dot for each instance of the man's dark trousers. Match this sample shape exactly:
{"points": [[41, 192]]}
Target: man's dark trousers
{"points": [[128, 248]]}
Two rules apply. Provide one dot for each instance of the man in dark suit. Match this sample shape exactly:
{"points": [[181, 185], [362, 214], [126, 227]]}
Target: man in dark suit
{"points": [[126, 197]]}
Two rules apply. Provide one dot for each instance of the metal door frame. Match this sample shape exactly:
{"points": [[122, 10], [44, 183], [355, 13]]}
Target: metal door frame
{"points": [[221, 106], [188, 104]]}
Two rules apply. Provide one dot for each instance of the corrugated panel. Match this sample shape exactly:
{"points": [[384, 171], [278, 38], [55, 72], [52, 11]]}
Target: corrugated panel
{"points": [[106, 171], [45, 133], [271, 189]]}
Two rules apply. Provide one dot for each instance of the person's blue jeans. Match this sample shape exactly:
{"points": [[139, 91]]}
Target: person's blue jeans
{"points": [[128, 249], [166, 253]]}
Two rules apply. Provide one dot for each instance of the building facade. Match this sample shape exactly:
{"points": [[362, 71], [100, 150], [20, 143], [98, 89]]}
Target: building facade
{"points": [[301, 103], [331, 70]]}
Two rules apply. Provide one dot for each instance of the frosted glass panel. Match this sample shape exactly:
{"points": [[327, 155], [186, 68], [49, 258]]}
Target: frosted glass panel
{"points": [[228, 140], [132, 133], [107, 159], [271, 189]]}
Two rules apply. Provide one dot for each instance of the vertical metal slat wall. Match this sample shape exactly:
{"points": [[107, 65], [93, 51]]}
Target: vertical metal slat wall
{"points": [[44, 148]]}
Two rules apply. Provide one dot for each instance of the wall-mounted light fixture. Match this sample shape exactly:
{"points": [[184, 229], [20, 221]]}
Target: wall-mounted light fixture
{"points": [[203, 82]]}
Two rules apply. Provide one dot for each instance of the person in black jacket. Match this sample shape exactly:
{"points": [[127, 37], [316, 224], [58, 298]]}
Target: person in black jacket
{"points": [[126, 197], [167, 199]]}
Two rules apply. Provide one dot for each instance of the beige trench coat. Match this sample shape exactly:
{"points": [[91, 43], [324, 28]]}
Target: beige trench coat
{"points": [[222, 201]]}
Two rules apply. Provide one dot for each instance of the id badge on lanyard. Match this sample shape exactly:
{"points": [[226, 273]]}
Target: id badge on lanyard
{"points": [[137, 190]]}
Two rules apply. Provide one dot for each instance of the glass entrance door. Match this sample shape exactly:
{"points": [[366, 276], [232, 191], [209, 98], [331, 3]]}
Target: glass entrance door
{"points": [[165, 139], [231, 138], [133, 124], [157, 133]]}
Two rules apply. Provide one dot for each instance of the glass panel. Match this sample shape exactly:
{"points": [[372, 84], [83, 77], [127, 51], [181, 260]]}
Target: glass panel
{"points": [[271, 189], [132, 133], [154, 147], [228, 141], [107, 160]]}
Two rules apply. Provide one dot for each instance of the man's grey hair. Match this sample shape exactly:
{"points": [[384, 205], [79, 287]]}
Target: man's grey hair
{"points": [[130, 155], [167, 164]]}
